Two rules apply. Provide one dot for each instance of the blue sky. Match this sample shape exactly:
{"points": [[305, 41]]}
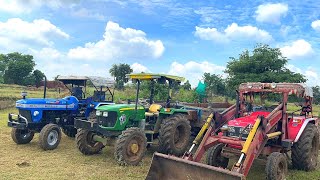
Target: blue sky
{"points": [[185, 38]]}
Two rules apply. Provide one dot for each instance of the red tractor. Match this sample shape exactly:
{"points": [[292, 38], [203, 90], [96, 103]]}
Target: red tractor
{"points": [[247, 131]]}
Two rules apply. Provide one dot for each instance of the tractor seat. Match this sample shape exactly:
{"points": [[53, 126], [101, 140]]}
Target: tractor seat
{"points": [[153, 110]]}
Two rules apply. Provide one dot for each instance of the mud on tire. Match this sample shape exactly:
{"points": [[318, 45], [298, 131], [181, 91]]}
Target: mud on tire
{"points": [[130, 147], [214, 157], [21, 136], [305, 151], [50, 136], [86, 144], [174, 134], [276, 167]]}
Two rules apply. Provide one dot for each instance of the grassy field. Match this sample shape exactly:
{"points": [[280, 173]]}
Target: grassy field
{"points": [[66, 162]]}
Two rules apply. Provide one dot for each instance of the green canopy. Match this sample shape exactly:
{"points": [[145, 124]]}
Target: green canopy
{"points": [[201, 89]]}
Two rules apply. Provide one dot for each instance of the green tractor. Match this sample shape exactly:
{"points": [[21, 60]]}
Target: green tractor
{"points": [[134, 126]]}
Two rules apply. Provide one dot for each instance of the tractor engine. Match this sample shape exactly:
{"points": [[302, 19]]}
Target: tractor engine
{"points": [[241, 127]]}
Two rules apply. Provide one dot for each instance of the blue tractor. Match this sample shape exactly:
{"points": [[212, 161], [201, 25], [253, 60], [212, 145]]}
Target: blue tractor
{"points": [[46, 115]]}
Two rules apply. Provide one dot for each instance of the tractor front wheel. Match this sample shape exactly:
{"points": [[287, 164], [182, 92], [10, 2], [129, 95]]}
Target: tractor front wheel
{"points": [[50, 136], [174, 135], [214, 157], [305, 150], [276, 167], [69, 131], [130, 147], [86, 144], [21, 136]]}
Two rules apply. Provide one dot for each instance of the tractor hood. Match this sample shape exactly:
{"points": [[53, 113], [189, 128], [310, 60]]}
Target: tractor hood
{"points": [[119, 107], [250, 119], [67, 102]]}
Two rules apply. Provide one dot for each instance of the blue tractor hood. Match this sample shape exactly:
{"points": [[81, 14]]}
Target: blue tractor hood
{"points": [[69, 102]]}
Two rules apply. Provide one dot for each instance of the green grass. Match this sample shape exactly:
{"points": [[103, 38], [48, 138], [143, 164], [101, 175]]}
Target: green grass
{"points": [[66, 162]]}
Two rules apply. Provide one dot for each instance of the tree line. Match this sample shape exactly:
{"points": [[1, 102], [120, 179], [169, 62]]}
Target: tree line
{"points": [[17, 68], [262, 64]]}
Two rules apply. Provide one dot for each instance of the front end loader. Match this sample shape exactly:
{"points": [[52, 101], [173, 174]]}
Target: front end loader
{"points": [[245, 132]]}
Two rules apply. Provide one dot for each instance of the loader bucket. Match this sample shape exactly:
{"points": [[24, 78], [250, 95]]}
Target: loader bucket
{"points": [[167, 167]]}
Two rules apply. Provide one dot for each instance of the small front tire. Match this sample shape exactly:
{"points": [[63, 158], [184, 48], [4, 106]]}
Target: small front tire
{"points": [[130, 147], [86, 144], [276, 167], [214, 157], [21, 136], [50, 136]]}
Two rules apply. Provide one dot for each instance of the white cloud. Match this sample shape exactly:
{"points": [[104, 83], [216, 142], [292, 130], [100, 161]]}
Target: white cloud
{"points": [[312, 76], [297, 49], [18, 34], [85, 13], [138, 68], [271, 13], [27, 6], [46, 54], [233, 32], [119, 44], [193, 71], [316, 25]]}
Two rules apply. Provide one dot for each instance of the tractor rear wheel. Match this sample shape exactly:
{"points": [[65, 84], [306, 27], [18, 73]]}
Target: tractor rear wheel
{"points": [[21, 136], [214, 157], [276, 167], [174, 134], [86, 144], [305, 150], [50, 136], [69, 131], [130, 147]]}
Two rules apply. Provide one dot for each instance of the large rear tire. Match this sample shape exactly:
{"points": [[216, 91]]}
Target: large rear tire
{"points": [[86, 144], [276, 167], [174, 134], [214, 157], [305, 151], [69, 131], [130, 147], [50, 136], [20, 136]]}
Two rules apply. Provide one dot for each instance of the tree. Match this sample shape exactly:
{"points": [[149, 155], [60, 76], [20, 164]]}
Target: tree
{"points": [[38, 77], [17, 67], [215, 84], [265, 64], [187, 85], [119, 73], [316, 94]]}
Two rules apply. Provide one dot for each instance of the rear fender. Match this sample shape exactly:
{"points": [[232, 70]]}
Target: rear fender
{"points": [[295, 130]]}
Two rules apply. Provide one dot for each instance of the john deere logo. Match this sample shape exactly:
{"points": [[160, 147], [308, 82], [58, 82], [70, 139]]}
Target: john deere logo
{"points": [[122, 119]]}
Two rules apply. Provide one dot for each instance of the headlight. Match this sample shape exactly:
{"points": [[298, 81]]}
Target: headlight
{"points": [[105, 114], [98, 113], [224, 128]]}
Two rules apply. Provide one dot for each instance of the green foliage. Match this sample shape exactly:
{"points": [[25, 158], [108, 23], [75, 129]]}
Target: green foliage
{"points": [[215, 84], [186, 85], [265, 64], [119, 71], [16, 68], [316, 94], [38, 77]]}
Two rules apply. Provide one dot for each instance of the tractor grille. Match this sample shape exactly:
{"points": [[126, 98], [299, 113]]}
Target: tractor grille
{"points": [[109, 121], [26, 114], [236, 131]]}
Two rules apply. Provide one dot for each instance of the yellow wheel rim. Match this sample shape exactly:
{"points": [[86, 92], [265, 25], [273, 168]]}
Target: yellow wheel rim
{"points": [[134, 148]]}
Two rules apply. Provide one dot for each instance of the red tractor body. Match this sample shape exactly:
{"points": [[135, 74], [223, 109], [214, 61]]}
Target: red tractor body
{"points": [[249, 130]]}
